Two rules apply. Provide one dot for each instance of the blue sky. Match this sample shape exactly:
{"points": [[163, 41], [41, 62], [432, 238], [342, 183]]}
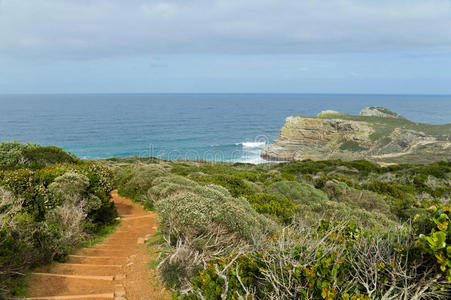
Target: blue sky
{"points": [[200, 46]]}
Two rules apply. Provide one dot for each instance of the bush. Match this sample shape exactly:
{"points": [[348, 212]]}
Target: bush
{"points": [[135, 184], [236, 186], [47, 209], [216, 244], [15, 155], [359, 199], [201, 222], [329, 261], [298, 192], [434, 230], [275, 206], [192, 213], [72, 188]]}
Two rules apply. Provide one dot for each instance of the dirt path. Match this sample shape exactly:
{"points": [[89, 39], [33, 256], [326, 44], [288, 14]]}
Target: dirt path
{"points": [[116, 269]]}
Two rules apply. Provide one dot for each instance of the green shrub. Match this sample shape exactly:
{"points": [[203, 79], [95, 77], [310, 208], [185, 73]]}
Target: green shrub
{"points": [[273, 205], [434, 230], [328, 261], [236, 186], [298, 192], [193, 212], [10, 155], [169, 185], [47, 209], [26, 185], [351, 146], [136, 184], [15, 155]]}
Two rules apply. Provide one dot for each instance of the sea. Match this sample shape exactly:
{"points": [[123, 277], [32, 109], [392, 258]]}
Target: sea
{"points": [[213, 127]]}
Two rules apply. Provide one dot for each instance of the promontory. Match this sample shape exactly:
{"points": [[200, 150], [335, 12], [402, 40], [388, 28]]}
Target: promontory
{"points": [[377, 135]]}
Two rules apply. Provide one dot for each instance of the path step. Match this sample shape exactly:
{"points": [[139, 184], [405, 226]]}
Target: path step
{"points": [[97, 260], [136, 218], [89, 277], [49, 286], [81, 269], [93, 265], [79, 297], [100, 252]]}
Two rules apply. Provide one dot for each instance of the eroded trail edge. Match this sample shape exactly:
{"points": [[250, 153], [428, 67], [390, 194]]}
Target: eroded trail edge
{"points": [[115, 269]]}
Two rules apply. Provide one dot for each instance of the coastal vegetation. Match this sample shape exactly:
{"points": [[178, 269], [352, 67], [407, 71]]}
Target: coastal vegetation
{"points": [[297, 230], [50, 202]]}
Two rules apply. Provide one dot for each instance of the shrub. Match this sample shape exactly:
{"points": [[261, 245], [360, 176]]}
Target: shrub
{"points": [[136, 184], [15, 155], [193, 212], [275, 206], [352, 146], [72, 188], [434, 230], [372, 202], [10, 155], [236, 186], [328, 261], [202, 221], [298, 192], [25, 185], [166, 186], [46, 209]]}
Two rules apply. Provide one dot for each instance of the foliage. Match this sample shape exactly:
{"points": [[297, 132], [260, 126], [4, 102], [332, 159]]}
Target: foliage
{"points": [[331, 261], [15, 155], [281, 208], [298, 192], [49, 203], [351, 146], [191, 213], [137, 181], [236, 186], [434, 231], [216, 244]]}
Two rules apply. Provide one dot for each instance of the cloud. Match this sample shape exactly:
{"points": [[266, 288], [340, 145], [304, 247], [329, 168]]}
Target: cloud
{"points": [[83, 29]]}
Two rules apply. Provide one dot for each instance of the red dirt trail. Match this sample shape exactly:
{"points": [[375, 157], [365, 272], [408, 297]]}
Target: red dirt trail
{"points": [[115, 269]]}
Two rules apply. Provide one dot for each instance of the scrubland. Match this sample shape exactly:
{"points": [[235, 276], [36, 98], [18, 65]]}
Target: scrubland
{"points": [[295, 230]]}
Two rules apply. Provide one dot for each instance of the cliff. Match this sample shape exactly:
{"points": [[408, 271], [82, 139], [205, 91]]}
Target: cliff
{"points": [[377, 134]]}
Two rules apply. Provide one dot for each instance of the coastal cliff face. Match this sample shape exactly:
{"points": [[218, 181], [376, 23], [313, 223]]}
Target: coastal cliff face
{"points": [[377, 135]]}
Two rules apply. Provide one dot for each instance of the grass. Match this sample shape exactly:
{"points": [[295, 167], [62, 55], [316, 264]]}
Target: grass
{"points": [[155, 241], [20, 286], [385, 125], [351, 146], [100, 235]]}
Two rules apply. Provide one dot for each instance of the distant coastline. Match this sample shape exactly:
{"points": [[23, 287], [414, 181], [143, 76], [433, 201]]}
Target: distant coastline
{"points": [[219, 127]]}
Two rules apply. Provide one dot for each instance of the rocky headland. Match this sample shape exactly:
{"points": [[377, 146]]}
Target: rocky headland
{"points": [[377, 135]]}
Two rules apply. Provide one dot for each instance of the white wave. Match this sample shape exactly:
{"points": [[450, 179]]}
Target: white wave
{"points": [[254, 160], [253, 144]]}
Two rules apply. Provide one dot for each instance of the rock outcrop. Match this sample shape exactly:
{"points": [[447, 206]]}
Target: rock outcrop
{"points": [[381, 112], [377, 135]]}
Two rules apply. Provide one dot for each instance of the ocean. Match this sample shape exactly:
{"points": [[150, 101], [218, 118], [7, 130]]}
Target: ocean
{"points": [[220, 127]]}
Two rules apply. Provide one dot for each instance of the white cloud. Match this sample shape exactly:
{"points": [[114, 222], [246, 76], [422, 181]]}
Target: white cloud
{"points": [[52, 29]]}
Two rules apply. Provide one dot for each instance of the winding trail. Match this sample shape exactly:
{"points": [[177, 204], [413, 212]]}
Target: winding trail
{"points": [[115, 269]]}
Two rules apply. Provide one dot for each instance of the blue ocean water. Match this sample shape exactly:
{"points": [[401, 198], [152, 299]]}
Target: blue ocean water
{"points": [[223, 127]]}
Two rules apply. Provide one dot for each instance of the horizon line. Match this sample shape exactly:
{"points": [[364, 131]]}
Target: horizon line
{"points": [[220, 93]]}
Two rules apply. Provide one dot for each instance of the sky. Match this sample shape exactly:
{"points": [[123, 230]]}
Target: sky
{"points": [[225, 46]]}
